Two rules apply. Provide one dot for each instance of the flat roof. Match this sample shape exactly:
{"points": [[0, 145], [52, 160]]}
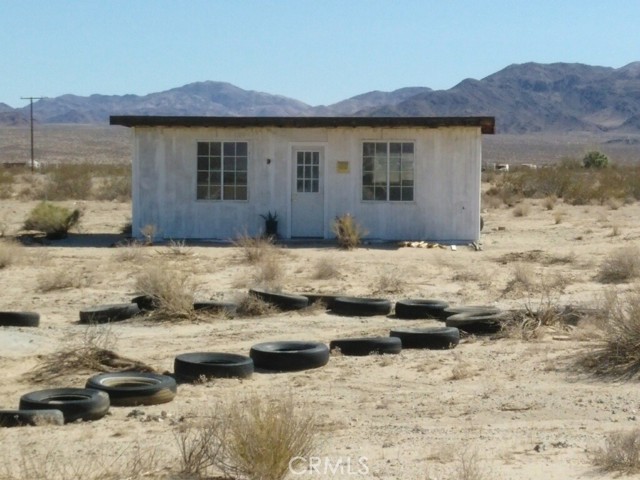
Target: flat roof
{"points": [[487, 124]]}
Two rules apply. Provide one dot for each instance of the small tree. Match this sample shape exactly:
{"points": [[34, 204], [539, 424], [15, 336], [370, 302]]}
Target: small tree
{"points": [[595, 159]]}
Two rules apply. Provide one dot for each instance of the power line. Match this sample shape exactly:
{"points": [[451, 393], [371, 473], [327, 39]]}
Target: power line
{"points": [[31, 99]]}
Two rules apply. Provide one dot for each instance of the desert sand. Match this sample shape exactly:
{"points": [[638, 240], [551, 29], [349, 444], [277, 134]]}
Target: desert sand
{"points": [[521, 408]]}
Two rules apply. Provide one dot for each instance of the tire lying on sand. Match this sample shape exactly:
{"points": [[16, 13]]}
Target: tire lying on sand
{"points": [[367, 345], [283, 301], [74, 403], [438, 338], [479, 309], [361, 307], [190, 367], [324, 298], [215, 307], [145, 302], [477, 323], [109, 313], [34, 418], [427, 308], [19, 319], [128, 389], [289, 356]]}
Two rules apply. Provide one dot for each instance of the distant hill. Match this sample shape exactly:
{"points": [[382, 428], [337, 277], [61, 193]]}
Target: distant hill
{"points": [[524, 98]]}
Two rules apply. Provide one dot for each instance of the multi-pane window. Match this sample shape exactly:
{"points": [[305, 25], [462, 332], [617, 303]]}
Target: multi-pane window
{"points": [[222, 171], [308, 172], [387, 171]]}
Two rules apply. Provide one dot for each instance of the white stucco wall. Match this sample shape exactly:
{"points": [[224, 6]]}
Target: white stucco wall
{"points": [[446, 204]]}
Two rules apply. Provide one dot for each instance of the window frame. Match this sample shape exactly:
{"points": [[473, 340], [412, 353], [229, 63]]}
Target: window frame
{"points": [[222, 172], [388, 172]]}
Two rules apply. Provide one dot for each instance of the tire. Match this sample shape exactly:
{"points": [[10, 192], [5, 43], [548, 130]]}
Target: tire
{"points": [[367, 345], [361, 307], [109, 313], [145, 302], [19, 319], [215, 307], [130, 389], [189, 367], [328, 300], [479, 309], [478, 323], [283, 301], [439, 338], [289, 356], [35, 418], [414, 309], [74, 403]]}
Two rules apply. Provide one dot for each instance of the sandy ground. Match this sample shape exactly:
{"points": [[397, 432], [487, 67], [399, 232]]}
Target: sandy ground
{"points": [[521, 407]]}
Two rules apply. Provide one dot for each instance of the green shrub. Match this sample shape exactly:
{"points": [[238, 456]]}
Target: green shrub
{"points": [[595, 159], [53, 220], [348, 232]]}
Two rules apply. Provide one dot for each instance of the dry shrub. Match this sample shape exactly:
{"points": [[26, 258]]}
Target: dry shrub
{"points": [[348, 232], [614, 203], [133, 252], [58, 279], [263, 436], [10, 252], [255, 249], [177, 248], [616, 353], [269, 273], [253, 306], [115, 188], [621, 453], [53, 220], [549, 202], [620, 266], [86, 353], [200, 444], [491, 202], [69, 181], [558, 216], [325, 269], [521, 210], [389, 282], [171, 290], [148, 232]]}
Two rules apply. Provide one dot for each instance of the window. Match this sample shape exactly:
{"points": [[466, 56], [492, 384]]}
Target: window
{"points": [[387, 171], [222, 171], [308, 172]]}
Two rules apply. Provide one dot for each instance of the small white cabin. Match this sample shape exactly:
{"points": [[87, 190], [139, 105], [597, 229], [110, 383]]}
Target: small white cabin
{"points": [[401, 178]]}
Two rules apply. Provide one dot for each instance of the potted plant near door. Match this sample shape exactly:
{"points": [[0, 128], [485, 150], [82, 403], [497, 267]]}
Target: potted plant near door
{"points": [[271, 224]]}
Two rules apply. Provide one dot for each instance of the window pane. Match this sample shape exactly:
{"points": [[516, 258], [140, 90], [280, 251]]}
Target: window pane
{"points": [[203, 148], [241, 193], [300, 171], [241, 149], [202, 178], [315, 186], [316, 158], [407, 148], [229, 149], [215, 148], [229, 163], [241, 163], [407, 194], [315, 172], [367, 164], [214, 163], [307, 185], [202, 192], [214, 193], [394, 193], [214, 178], [394, 178], [394, 164], [367, 179], [307, 157], [381, 149], [241, 178], [228, 193], [380, 193], [300, 158], [300, 186], [229, 179], [307, 172], [203, 163], [367, 193], [368, 149], [407, 165], [395, 148]]}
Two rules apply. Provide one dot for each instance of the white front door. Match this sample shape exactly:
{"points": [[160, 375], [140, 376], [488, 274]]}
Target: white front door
{"points": [[307, 193]]}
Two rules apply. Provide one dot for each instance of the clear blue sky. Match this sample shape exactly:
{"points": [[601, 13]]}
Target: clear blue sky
{"points": [[317, 51]]}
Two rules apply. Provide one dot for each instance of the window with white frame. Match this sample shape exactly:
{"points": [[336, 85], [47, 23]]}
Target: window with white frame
{"points": [[387, 171], [222, 171]]}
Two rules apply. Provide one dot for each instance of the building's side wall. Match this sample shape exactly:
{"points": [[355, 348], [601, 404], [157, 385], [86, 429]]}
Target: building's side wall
{"points": [[446, 205]]}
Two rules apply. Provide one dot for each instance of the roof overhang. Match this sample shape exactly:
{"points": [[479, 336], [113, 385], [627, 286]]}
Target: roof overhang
{"points": [[486, 124]]}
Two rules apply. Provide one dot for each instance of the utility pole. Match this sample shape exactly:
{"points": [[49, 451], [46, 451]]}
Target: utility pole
{"points": [[31, 99]]}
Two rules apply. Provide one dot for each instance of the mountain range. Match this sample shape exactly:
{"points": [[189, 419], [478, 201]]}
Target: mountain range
{"points": [[524, 98]]}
